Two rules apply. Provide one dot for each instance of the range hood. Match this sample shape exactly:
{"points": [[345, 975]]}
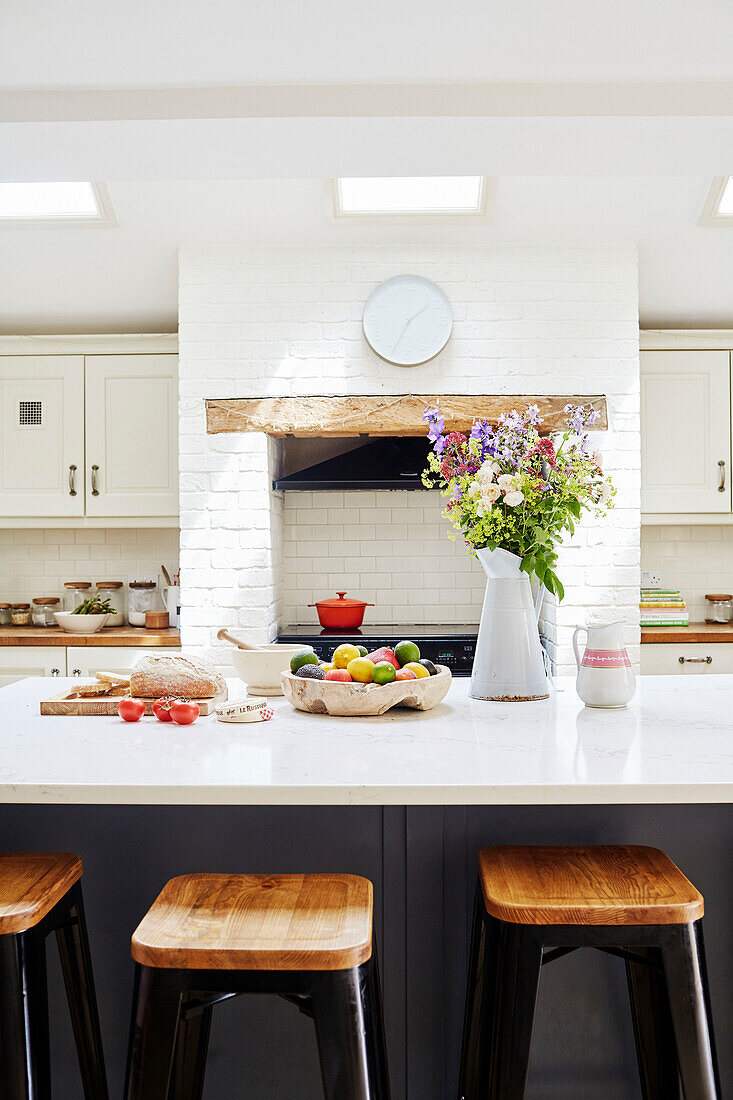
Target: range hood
{"points": [[393, 462]]}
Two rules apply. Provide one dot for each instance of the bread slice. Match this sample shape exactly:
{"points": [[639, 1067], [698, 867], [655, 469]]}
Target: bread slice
{"points": [[155, 675]]}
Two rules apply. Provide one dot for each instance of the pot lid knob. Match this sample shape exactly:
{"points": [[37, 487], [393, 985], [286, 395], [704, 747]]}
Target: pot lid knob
{"points": [[341, 595]]}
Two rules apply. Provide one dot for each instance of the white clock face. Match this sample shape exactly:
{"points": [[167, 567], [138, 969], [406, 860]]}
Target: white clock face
{"points": [[407, 320]]}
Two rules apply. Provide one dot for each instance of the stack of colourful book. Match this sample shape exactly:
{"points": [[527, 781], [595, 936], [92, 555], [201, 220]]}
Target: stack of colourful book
{"points": [[663, 607]]}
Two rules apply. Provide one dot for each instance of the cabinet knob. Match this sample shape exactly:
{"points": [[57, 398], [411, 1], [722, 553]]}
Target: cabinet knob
{"points": [[55, 671], [95, 487], [76, 672]]}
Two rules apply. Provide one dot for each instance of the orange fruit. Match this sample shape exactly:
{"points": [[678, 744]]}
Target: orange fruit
{"points": [[360, 669]]}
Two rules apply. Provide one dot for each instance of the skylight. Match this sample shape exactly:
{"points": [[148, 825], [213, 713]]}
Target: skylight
{"points": [[718, 209], [409, 195], [47, 202]]}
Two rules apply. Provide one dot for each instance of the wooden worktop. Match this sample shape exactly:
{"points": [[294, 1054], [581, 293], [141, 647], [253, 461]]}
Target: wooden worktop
{"points": [[108, 636], [695, 632]]}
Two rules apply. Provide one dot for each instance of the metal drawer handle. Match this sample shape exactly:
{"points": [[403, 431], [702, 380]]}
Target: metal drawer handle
{"points": [[95, 489], [696, 660], [76, 672], [55, 671], [72, 481], [721, 468]]}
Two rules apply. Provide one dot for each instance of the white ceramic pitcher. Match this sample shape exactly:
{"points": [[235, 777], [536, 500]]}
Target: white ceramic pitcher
{"points": [[605, 678], [509, 664]]}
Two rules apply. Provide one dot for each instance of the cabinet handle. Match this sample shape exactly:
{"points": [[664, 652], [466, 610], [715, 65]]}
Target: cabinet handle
{"points": [[696, 660], [76, 672], [95, 489], [721, 469], [55, 671], [72, 481]]}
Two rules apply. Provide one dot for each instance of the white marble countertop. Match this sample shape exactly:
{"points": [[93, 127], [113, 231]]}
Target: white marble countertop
{"points": [[674, 743]]}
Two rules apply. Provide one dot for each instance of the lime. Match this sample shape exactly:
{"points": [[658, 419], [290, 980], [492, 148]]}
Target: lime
{"points": [[362, 650], [302, 657], [406, 652], [384, 672], [343, 654], [360, 669], [417, 668]]}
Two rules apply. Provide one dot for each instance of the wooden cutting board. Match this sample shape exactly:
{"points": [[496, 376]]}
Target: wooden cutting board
{"points": [[61, 704]]}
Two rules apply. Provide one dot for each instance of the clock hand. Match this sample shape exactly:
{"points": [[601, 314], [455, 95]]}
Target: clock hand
{"points": [[408, 323]]}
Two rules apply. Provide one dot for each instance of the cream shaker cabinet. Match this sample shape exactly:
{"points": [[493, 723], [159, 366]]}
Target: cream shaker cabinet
{"points": [[88, 660], [132, 435], [89, 436], [41, 435], [685, 432], [19, 661]]}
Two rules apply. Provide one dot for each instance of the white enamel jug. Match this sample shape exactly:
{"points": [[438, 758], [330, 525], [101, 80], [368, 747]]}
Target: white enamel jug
{"points": [[605, 678], [509, 665]]}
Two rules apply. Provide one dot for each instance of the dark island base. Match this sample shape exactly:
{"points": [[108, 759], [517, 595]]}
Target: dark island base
{"points": [[421, 861]]}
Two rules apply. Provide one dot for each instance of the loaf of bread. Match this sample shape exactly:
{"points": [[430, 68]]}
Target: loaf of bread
{"points": [[168, 674]]}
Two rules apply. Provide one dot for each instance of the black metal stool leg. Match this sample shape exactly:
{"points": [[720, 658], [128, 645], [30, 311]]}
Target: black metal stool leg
{"points": [[478, 1022], [25, 1070], [684, 966], [518, 980], [76, 963], [152, 1036], [656, 1049], [375, 1038], [192, 1045], [337, 998]]}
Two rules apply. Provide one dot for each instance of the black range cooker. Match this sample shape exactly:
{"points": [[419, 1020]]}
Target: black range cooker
{"points": [[453, 646]]}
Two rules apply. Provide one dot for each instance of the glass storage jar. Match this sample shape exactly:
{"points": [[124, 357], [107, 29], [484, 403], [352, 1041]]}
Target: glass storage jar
{"points": [[76, 592], [112, 591], [719, 608], [5, 614], [143, 597], [21, 614], [43, 609]]}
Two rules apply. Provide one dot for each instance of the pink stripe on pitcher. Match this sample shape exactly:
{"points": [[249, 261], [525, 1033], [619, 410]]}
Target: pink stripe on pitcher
{"points": [[606, 658]]}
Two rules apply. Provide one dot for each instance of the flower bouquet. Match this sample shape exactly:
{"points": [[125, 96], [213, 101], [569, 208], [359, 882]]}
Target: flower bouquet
{"points": [[510, 488]]}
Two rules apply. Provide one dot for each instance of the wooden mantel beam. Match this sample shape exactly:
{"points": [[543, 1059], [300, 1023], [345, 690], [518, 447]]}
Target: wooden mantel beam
{"points": [[385, 414]]}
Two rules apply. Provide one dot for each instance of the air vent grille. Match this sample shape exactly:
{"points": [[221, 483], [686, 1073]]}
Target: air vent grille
{"points": [[30, 414]]}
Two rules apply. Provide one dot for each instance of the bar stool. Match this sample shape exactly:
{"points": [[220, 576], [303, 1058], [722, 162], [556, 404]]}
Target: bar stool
{"points": [[210, 937], [40, 892], [535, 904]]}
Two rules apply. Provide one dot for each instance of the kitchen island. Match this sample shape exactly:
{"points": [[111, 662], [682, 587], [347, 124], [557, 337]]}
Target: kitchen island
{"points": [[405, 799]]}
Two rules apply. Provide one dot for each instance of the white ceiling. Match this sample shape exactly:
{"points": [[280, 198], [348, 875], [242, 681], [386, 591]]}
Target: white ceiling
{"points": [[154, 43], [125, 279]]}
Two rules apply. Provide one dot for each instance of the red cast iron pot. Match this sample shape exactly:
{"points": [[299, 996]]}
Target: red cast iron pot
{"points": [[341, 614]]}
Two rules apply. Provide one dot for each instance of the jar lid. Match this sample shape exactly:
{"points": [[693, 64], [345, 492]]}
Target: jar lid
{"points": [[109, 584], [21, 607], [77, 584], [46, 601], [142, 584], [717, 597]]}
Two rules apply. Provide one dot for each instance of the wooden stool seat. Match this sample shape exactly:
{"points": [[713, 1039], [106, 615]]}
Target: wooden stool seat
{"points": [[31, 884], [595, 885], [258, 922]]}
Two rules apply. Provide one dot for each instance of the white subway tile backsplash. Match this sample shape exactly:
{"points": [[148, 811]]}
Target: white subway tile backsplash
{"points": [[695, 559]]}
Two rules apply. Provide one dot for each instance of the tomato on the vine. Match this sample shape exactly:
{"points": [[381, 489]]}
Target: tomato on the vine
{"points": [[162, 708], [184, 711], [130, 710]]}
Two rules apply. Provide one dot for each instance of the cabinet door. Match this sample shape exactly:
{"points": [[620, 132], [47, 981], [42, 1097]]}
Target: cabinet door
{"points": [[88, 660], [685, 431], [132, 435], [41, 435], [19, 661]]}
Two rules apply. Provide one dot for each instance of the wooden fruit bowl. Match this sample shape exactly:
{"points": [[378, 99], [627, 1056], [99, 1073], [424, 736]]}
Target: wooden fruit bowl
{"points": [[360, 700]]}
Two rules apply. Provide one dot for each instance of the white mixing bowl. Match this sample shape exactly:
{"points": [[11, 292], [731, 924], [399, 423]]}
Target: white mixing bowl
{"points": [[260, 668]]}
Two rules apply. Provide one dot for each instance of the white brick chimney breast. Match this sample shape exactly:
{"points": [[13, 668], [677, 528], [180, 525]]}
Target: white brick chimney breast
{"points": [[283, 321]]}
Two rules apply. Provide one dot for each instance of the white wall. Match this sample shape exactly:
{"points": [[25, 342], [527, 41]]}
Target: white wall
{"points": [[695, 559], [35, 562], [285, 321]]}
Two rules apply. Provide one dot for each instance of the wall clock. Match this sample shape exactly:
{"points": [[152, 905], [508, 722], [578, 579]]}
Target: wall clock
{"points": [[407, 320]]}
